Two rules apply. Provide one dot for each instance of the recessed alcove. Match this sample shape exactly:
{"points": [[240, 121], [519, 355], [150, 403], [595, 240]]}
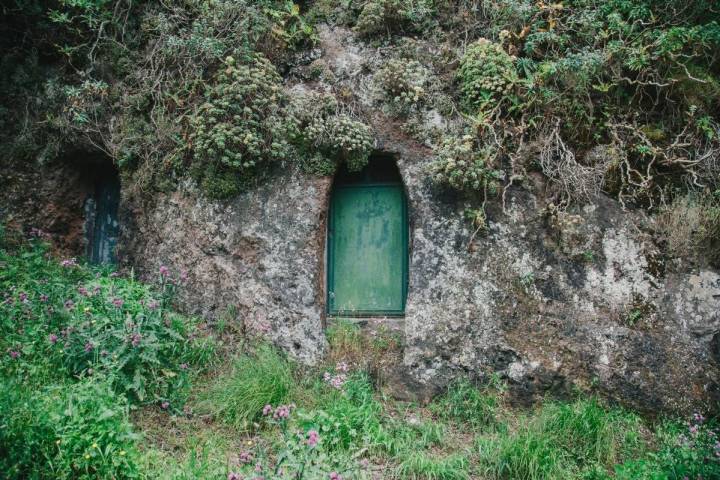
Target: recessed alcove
{"points": [[368, 241], [101, 226]]}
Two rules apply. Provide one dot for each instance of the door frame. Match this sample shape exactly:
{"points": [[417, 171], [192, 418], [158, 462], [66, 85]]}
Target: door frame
{"points": [[329, 264]]}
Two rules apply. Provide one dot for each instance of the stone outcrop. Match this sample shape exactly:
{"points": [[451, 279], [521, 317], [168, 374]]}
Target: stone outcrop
{"points": [[551, 300]]}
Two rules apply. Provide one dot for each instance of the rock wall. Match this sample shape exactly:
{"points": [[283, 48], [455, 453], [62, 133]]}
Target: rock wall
{"points": [[550, 300]]}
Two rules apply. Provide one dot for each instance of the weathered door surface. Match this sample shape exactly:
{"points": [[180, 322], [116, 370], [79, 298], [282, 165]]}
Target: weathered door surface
{"points": [[367, 250], [102, 222]]}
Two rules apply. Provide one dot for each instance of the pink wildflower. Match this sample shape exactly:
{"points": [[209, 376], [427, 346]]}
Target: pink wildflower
{"points": [[135, 339], [69, 262], [313, 438], [164, 405], [335, 476], [234, 476], [43, 298], [152, 304], [267, 410], [342, 367], [53, 338], [184, 366], [164, 271], [118, 302], [83, 291], [69, 304], [89, 347], [245, 457], [14, 354], [23, 297]]}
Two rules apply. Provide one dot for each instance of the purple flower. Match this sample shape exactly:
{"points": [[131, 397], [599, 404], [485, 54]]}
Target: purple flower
{"points": [[313, 438], [267, 410], [164, 271], [164, 405], [83, 291], [14, 354], [152, 304], [342, 367], [185, 366], [43, 298], [69, 304], [23, 297], [53, 338], [282, 412], [234, 476], [245, 457], [118, 302], [89, 347], [69, 262], [135, 339], [183, 275], [335, 476]]}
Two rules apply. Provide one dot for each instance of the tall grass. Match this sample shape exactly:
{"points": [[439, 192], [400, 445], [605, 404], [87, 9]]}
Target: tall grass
{"points": [[255, 380], [467, 404], [421, 466], [560, 441]]}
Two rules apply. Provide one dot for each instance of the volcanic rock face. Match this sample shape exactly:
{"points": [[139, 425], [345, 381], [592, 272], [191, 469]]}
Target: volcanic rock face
{"points": [[551, 300]]}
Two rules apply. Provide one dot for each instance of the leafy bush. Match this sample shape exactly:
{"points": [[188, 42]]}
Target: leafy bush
{"points": [[328, 133], [690, 450], [238, 396], [65, 431], [80, 321], [460, 164], [402, 82], [348, 418], [487, 74], [241, 126], [381, 16]]}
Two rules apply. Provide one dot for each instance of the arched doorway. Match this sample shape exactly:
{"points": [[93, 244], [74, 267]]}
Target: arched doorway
{"points": [[367, 242]]}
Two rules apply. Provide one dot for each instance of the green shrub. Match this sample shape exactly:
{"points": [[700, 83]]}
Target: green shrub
{"points": [[684, 450], [241, 127], [461, 165], [487, 74], [238, 396], [402, 83], [65, 431], [347, 418], [330, 135], [80, 321], [381, 16]]}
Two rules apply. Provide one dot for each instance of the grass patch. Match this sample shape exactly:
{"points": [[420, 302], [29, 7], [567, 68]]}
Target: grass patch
{"points": [[255, 380], [560, 441], [421, 466], [465, 403]]}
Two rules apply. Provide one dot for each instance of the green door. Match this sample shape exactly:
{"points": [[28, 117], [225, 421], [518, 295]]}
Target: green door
{"points": [[367, 250]]}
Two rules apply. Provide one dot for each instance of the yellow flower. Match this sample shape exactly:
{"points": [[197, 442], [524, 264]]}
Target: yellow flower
{"points": [[95, 445], [57, 442], [249, 442], [122, 453], [87, 457], [86, 309]]}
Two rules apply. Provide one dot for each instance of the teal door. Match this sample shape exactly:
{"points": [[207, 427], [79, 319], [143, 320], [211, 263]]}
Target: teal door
{"points": [[367, 250]]}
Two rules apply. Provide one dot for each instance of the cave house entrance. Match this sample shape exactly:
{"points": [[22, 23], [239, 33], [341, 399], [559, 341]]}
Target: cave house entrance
{"points": [[367, 242]]}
